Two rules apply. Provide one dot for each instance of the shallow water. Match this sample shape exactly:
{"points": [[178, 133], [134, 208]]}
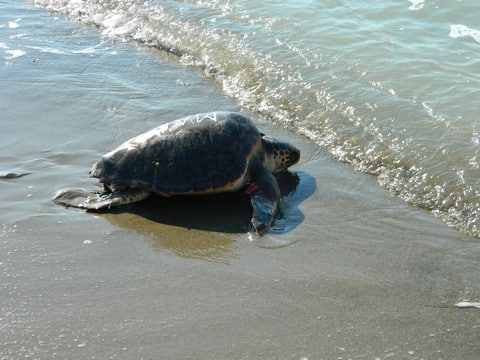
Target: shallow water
{"points": [[365, 274], [390, 88]]}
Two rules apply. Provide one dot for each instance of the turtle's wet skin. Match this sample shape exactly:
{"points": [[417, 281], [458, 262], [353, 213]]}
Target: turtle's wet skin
{"points": [[198, 155]]}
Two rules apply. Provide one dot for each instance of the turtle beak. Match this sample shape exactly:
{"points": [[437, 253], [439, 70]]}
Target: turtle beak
{"points": [[294, 155]]}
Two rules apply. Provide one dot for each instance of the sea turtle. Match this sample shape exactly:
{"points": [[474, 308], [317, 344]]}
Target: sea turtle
{"points": [[197, 155]]}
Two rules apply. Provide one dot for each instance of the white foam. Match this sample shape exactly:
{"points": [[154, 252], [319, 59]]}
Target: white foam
{"points": [[468, 304], [416, 4], [48, 50], [89, 50], [18, 36], [13, 25], [458, 30], [14, 54]]}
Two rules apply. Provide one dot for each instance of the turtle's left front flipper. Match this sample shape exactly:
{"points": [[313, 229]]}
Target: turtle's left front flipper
{"points": [[265, 198]]}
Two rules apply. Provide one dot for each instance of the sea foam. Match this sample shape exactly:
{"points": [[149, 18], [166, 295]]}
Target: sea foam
{"points": [[457, 31]]}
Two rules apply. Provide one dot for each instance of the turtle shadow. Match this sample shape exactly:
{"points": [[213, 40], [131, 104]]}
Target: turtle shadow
{"points": [[226, 212]]}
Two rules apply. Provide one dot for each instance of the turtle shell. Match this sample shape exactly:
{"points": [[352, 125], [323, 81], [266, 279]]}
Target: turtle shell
{"points": [[198, 154]]}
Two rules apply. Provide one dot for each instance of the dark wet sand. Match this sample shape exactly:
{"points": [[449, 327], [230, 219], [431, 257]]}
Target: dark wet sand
{"points": [[364, 275]]}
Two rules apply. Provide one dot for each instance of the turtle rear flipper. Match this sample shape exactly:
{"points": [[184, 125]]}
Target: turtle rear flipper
{"points": [[98, 200], [265, 199]]}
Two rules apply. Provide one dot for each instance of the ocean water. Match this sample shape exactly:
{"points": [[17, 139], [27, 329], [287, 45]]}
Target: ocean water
{"points": [[391, 88]]}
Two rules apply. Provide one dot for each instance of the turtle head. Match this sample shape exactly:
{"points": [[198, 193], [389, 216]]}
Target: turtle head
{"points": [[279, 155]]}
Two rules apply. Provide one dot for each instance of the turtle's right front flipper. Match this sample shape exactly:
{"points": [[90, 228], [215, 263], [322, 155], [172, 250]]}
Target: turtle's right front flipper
{"points": [[265, 198], [97, 200]]}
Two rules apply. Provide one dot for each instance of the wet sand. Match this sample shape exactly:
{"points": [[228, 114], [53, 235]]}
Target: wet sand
{"points": [[366, 276], [348, 272]]}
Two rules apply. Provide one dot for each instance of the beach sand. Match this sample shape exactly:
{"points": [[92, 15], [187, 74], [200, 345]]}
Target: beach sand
{"points": [[365, 276], [348, 272]]}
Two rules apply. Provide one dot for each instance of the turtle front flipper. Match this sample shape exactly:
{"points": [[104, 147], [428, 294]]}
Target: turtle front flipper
{"points": [[265, 198], [98, 200]]}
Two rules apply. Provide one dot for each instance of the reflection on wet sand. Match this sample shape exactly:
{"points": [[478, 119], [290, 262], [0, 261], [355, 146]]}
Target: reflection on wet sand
{"points": [[184, 242], [296, 188]]}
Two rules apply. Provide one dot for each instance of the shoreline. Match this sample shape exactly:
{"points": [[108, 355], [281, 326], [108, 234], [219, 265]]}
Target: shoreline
{"points": [[363, 273]]}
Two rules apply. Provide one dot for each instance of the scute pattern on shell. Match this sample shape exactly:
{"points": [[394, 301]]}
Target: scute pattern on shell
{"points": [[195, 154]]}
